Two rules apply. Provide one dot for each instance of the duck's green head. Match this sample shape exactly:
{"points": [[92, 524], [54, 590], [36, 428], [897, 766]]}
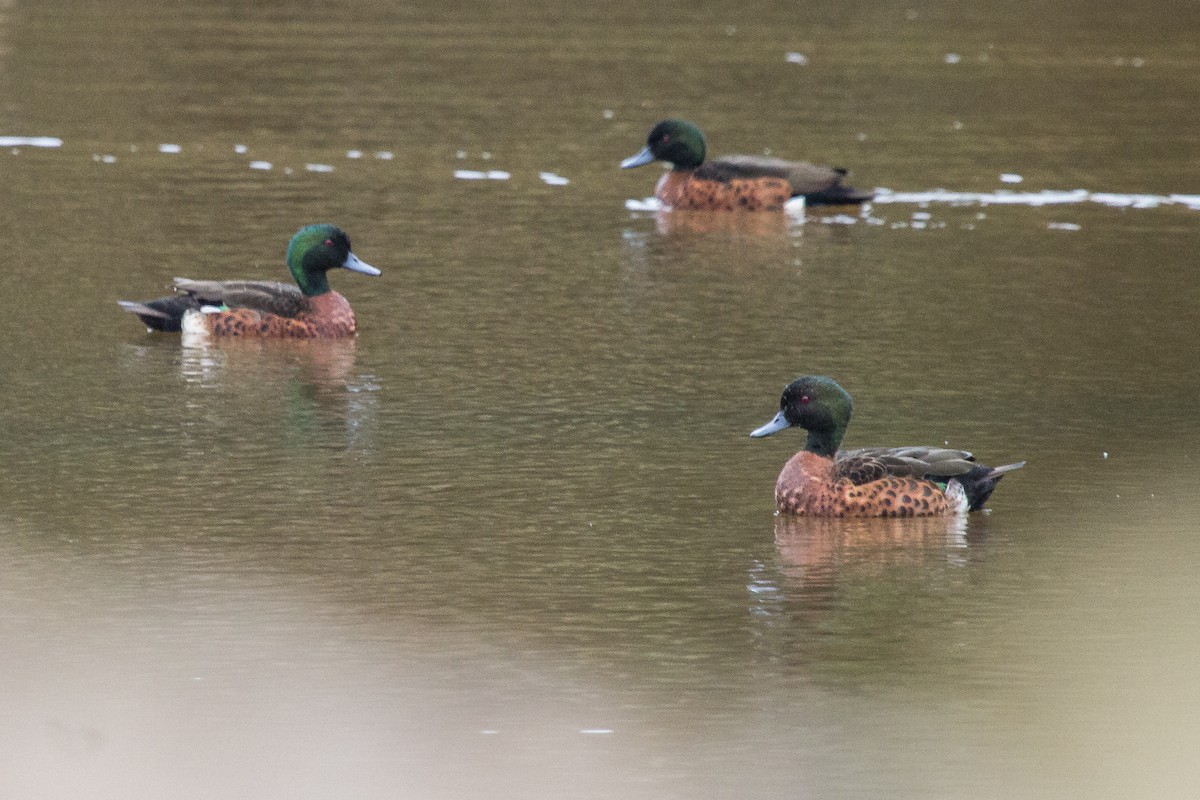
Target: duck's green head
{"points": [[818, 405], [673, 140], [315, 250]]}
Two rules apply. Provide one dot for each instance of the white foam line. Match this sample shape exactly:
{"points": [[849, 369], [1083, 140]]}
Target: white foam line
{"points": [[170, 148], [552, 179], [1045, 197], [30, 141], [1128, 200], [477, 175]]}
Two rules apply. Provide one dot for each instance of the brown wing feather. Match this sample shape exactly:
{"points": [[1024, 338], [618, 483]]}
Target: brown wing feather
{"points": [[804, 178], [872, 463], [271, 297]]}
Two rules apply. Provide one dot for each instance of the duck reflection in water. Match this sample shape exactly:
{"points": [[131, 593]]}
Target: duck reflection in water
{"points": [[819, 557], [324, 397]]}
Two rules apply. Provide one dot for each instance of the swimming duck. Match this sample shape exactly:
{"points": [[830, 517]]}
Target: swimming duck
{"points": [[822, 481], [751, 183], [309, 310]]}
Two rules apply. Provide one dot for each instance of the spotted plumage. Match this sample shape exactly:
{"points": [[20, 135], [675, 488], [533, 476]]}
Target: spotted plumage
{"points": [[731, 183], [308, 310], [823, 481]]}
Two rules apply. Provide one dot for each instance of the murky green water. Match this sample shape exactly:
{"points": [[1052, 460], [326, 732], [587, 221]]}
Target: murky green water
{"points": [[514, 541]]}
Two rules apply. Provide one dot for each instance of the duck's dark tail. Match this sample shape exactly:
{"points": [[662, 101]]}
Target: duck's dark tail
{"points": [[164, 314], [837, 194], [981, 481]]}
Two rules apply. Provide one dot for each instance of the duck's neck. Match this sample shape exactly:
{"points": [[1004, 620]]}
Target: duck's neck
{"points": [[687, 160], [824, 442], [312, 284]]}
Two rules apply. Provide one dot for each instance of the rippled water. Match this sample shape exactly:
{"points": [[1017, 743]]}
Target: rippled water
{"points": [[514, 541]]}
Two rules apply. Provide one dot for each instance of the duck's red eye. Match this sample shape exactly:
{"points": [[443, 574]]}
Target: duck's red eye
{"points": [[329, 242], [803, 399]]}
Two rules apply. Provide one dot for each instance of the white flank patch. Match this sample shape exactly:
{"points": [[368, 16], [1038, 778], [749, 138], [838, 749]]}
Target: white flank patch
{"points": [[957, 497], [795, 207], [193, 326]]}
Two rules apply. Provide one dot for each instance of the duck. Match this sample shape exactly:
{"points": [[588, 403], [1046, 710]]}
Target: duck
{"points": [[308, 310], [823, 481], [750, 183]]}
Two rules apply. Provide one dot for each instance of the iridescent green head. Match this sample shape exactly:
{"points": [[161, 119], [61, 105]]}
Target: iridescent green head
{"points": [[673, 140], [315, 250], [818, 405]]}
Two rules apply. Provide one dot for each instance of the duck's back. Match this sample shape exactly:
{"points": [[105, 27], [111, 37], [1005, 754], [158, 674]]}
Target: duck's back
{"points": [[817, 184], [270, 297]]}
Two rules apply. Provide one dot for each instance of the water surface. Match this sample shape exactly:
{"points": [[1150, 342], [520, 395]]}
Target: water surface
{"points": [[514, 541]]}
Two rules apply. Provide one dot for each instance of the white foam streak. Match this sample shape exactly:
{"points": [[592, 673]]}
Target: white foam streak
{"points": [[30, 141], [646, 204], [478, 175], [1045, 197]]}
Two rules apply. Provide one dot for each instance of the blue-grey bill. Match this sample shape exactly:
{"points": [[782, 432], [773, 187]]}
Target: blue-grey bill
{"points": [[643, 157], [777, 424], [356, 264]]}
